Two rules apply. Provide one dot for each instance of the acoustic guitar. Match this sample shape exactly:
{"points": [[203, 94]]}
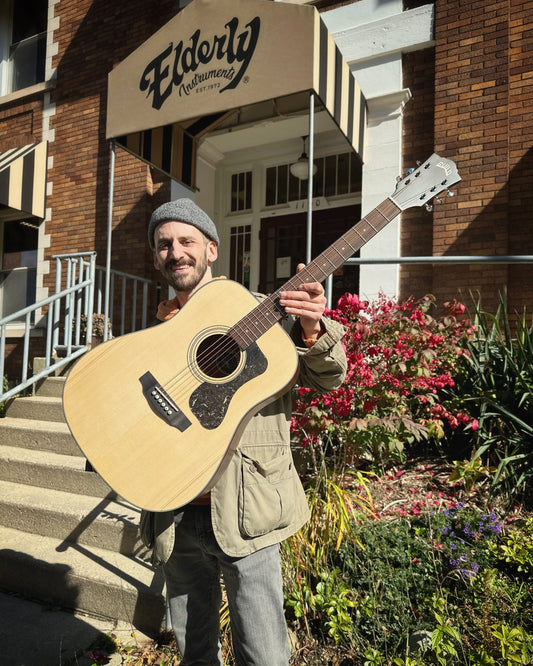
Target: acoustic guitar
{"points": [[159, 412]]}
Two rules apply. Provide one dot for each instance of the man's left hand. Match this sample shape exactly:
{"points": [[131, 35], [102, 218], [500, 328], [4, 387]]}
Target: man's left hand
{"points": [[308, 303]]}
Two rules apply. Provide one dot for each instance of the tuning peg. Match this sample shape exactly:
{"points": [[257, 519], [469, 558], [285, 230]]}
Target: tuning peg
{"points": [[437, 200], [410, 171], [450, 193], [429, 207]]}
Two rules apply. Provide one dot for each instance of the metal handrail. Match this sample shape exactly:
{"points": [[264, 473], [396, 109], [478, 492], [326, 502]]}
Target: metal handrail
{"points": [[70, 294], [81, 296], [444, 259]]}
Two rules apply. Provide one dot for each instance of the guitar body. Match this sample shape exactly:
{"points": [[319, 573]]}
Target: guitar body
{"points": [[159, 412]]}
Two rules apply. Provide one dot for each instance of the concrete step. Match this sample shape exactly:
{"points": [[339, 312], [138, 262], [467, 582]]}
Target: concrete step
{"points": [[86, 578], [37, 408], [34, 435], [51, 387], [46, 469], [71, 519]]}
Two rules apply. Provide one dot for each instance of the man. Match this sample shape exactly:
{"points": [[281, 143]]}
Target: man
{"points": [[235, 529]]}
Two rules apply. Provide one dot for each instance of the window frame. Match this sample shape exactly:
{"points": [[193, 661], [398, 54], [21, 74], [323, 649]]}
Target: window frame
{"points": [[6, 44]]}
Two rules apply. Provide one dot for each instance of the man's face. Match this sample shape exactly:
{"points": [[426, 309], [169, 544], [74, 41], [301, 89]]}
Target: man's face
{"points": [[183, 255]]}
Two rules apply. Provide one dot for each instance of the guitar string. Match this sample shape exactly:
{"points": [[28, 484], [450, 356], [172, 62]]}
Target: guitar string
{"points": [[225, 346], [223, 350]]}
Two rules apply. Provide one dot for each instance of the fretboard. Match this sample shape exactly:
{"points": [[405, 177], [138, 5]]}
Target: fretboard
{"points": [[269, 312]]}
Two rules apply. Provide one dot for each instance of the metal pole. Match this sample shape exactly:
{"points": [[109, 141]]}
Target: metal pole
{"points": [[109, 232], [311, 148], [458, 259]]}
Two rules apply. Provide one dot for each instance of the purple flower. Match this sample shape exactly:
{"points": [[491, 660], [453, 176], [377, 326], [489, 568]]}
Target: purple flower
{"points": [[496, 527], [466, 573]]}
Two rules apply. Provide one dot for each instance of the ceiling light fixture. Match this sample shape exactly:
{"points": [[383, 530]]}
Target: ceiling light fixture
{"points": [[300, 168]]}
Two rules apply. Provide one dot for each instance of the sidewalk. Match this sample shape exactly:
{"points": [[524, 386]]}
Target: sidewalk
{"points": [[32, 634]]}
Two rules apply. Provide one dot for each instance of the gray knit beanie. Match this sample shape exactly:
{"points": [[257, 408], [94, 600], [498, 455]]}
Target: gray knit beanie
{"points": [[182, 210]]}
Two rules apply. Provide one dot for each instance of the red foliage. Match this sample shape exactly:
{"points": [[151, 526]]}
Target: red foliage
{"points": [[399, 360]]}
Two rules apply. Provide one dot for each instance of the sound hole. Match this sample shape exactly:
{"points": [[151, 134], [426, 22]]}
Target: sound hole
{"points": [[218, 356]]}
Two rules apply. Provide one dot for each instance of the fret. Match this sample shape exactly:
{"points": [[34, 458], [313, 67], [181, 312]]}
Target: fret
{"points": [[331, 263], [341, 255], [343, 249], [378, 210], [380, 222], [394, 209], [242, 336], [361, 237]]}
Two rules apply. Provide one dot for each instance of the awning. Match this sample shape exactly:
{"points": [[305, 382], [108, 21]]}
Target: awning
{"points": [[23, 179], [221, 58]]}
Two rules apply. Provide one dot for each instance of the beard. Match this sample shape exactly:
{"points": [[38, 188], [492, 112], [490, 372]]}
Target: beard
{"points": [[188, 281]]}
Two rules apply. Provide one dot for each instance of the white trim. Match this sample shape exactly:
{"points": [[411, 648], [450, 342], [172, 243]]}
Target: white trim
{"points": [[26, 92], [387, 107], [49, 111], [406, 31]]}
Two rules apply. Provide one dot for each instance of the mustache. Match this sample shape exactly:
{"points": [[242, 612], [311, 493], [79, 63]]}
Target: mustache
{"points": [[172, 264]]}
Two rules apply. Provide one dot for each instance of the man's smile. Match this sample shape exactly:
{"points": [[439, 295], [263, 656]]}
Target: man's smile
{"points": [[180, 267]]}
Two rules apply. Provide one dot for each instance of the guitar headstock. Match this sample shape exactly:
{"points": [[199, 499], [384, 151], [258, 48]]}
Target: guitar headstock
{"points": [[425, 182]]}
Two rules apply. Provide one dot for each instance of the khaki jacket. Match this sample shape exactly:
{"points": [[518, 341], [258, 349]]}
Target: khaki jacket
{"points": [[259, 499]]}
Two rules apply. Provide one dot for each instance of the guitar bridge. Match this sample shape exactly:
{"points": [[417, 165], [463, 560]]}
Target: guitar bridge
{"points": [[162, 404]]}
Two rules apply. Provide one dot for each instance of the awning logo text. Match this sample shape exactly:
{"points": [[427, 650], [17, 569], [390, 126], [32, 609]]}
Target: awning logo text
{"points": [[235, 49]]}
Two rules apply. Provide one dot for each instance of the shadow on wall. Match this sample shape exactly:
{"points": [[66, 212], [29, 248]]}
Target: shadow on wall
{"points": [[502, 226]]}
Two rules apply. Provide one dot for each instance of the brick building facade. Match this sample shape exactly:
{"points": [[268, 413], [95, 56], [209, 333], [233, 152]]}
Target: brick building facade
{"points": [[470, 101], [469, 92]]}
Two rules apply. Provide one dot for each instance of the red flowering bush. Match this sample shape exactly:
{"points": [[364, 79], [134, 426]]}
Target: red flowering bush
{"points": [[399, 358]]}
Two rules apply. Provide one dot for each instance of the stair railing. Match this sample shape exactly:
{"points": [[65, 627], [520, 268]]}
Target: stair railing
{"points": [[68, 315]]}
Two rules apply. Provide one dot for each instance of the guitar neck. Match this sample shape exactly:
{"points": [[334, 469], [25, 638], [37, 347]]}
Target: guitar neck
{"points": [[269, 311]]}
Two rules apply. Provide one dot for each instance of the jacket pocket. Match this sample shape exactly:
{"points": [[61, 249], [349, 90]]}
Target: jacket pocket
{"points": [[267, 494]]}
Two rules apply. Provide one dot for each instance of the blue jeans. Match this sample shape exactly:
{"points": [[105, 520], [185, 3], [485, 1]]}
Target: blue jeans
{"points": [[254, 591]]}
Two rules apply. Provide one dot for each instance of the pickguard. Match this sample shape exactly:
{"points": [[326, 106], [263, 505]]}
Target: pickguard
{"points": [[210, 401]]}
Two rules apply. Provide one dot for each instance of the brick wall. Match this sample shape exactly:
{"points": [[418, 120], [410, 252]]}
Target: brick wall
{"points": [[416, 230], [471, 90], [520, 188], [481, 103], [21, 123]]}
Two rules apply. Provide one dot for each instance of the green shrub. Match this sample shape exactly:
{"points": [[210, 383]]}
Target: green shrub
{"points": [[392, 574], [496, 384], [453, 588]]}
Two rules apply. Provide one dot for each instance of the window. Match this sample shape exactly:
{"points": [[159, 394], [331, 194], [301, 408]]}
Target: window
{"points": [[22, 43], [335, 175], [241, 192], [18, 272], [240, 254]]}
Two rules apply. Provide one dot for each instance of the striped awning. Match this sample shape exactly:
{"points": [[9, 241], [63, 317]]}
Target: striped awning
{"points": [[221, 57], [23, 179]]}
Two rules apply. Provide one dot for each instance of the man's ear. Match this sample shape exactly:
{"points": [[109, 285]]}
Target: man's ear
{"points": [[212, 252], [154, 257]]}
